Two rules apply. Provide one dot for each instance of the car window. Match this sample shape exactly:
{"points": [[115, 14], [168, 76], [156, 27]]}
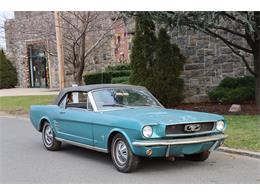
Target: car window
{"points": [[78, 100], [62, 104], [107, 99]]}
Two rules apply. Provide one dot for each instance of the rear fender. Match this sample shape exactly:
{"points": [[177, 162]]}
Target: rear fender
{"points": [[44, 118]]}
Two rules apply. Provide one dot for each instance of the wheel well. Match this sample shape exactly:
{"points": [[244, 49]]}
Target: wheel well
{"points": [[110, 138], [42, 123]]}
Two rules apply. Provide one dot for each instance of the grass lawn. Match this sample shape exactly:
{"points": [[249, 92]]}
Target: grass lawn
{"points": [[243, 131], [21, 104]]}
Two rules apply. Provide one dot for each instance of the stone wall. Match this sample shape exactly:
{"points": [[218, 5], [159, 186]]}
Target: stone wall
{"points": [[209, 60]]}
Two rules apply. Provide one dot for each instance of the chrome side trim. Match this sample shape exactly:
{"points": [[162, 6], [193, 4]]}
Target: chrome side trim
{"points": [[82, 145], [183, 141]]}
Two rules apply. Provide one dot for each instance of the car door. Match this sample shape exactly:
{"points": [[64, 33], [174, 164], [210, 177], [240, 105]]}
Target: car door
{"points": [[74, 119]]}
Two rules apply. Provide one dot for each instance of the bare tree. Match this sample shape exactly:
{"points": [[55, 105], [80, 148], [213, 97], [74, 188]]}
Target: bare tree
{"points": [[4, 16], [83, 33]]}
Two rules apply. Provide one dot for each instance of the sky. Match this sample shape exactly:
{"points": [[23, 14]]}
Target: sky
{"points": [[3, 16]]}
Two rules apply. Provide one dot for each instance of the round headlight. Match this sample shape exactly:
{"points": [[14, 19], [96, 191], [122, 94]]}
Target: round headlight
{"points": [[147, 131], [220, 125]]}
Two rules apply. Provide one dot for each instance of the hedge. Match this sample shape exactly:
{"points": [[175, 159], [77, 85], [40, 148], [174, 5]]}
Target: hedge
{"points": [[234, 90], [117, 67], [113, 74], [97, 78], [123, 80], [120, 73]]}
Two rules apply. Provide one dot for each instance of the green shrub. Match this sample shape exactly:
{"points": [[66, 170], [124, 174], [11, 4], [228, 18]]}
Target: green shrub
{"points": [[116, 67], [167, 85], [8, 75], [123, 80], [97, 78], [120, 73], [156, 63], [231, 83], [143, 50], [234, 90]]}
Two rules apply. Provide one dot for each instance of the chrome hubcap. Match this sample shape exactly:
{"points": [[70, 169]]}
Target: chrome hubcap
{"points": [[48, 135], [121, 152]]}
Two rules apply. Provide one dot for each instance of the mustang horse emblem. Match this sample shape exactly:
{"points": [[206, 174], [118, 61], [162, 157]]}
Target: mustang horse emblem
{"points": [[192, 128]]}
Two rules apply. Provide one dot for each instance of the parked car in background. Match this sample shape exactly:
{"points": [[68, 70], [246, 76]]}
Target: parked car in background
{"points": [[128, 122]]}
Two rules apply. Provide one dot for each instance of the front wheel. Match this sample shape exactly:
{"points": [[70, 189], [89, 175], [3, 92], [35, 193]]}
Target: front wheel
{"points": [[198, 157], [48, 138], [123, 158]]}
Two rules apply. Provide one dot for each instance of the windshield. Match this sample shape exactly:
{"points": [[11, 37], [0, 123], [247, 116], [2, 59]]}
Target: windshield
{"points": [[107, 99]]}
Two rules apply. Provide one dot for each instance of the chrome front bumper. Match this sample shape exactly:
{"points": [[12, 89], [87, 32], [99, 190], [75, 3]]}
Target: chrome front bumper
{"points": [[183, 141]]}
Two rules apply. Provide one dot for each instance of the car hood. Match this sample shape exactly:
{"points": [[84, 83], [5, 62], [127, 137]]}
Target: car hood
{"points": [[155, 115]]}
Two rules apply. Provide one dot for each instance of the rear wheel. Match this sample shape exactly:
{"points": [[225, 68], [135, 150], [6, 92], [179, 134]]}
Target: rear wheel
{"points": [[48, 138], [123, 158], [198, 157]]}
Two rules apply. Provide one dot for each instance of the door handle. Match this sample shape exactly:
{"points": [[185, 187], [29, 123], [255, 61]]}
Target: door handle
{"points": [[62, 111]]}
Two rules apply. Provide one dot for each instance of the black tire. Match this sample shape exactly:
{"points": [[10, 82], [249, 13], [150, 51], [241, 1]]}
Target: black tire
{"points": [[198, 157], [50, 144], [131, 161]]}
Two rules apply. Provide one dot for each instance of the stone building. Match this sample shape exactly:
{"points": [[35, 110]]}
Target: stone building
{"points": [[27, 39], [31, 34], [30, 45]]}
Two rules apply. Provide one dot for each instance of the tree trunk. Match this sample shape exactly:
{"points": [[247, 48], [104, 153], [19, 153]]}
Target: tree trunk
{"points": [[81, 59], [77, 75], [82, 52], [257, 71], [257, 60]]}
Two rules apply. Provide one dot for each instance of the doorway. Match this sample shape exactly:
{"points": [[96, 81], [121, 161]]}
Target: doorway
{"points": [[38, 67]]}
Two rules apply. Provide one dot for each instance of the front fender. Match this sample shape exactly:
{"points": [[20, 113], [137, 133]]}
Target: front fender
{"points": [[123, 132]]}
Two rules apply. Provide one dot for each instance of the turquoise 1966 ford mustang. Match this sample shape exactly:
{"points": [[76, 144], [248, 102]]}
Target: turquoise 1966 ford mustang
{"points": [[128, 122]]}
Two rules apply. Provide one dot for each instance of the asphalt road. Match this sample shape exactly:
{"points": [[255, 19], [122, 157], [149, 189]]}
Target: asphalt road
{"points": [[23, 159]]}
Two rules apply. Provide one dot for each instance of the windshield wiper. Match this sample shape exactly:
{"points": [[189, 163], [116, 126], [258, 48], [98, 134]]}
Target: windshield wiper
{"points": [[148, 105], [114, 105]]}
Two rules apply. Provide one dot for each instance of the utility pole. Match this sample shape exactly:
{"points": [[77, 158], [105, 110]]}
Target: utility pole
{"points": [[60, 51]]}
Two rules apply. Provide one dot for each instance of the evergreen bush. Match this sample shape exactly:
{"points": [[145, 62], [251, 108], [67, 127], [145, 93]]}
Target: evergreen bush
{"points": [[166, 84], [8, 75], [156, 63]]}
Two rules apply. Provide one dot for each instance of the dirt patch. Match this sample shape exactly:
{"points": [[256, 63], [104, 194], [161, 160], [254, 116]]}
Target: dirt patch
{"points": [[22, 114], [246, 109]]}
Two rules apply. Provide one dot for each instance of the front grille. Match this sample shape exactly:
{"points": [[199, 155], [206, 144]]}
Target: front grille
{"points": [[180, 128]]}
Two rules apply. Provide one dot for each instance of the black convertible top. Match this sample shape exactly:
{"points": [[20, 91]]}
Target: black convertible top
{"points": [[87, 88]]}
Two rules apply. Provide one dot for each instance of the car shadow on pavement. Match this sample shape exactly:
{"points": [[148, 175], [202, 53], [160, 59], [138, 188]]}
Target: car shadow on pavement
{"points": [[85, 153], [146, 164]]}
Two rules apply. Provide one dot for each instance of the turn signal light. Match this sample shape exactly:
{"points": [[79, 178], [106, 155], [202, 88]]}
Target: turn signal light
{"points": [[149, 152]]}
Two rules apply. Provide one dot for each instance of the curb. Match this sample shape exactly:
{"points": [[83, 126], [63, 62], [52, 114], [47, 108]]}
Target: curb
{"points": [[15, 117], [240, 152]]}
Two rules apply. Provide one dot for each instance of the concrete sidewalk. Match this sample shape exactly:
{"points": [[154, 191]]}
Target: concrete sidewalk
{"points": [[28, 91]]}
